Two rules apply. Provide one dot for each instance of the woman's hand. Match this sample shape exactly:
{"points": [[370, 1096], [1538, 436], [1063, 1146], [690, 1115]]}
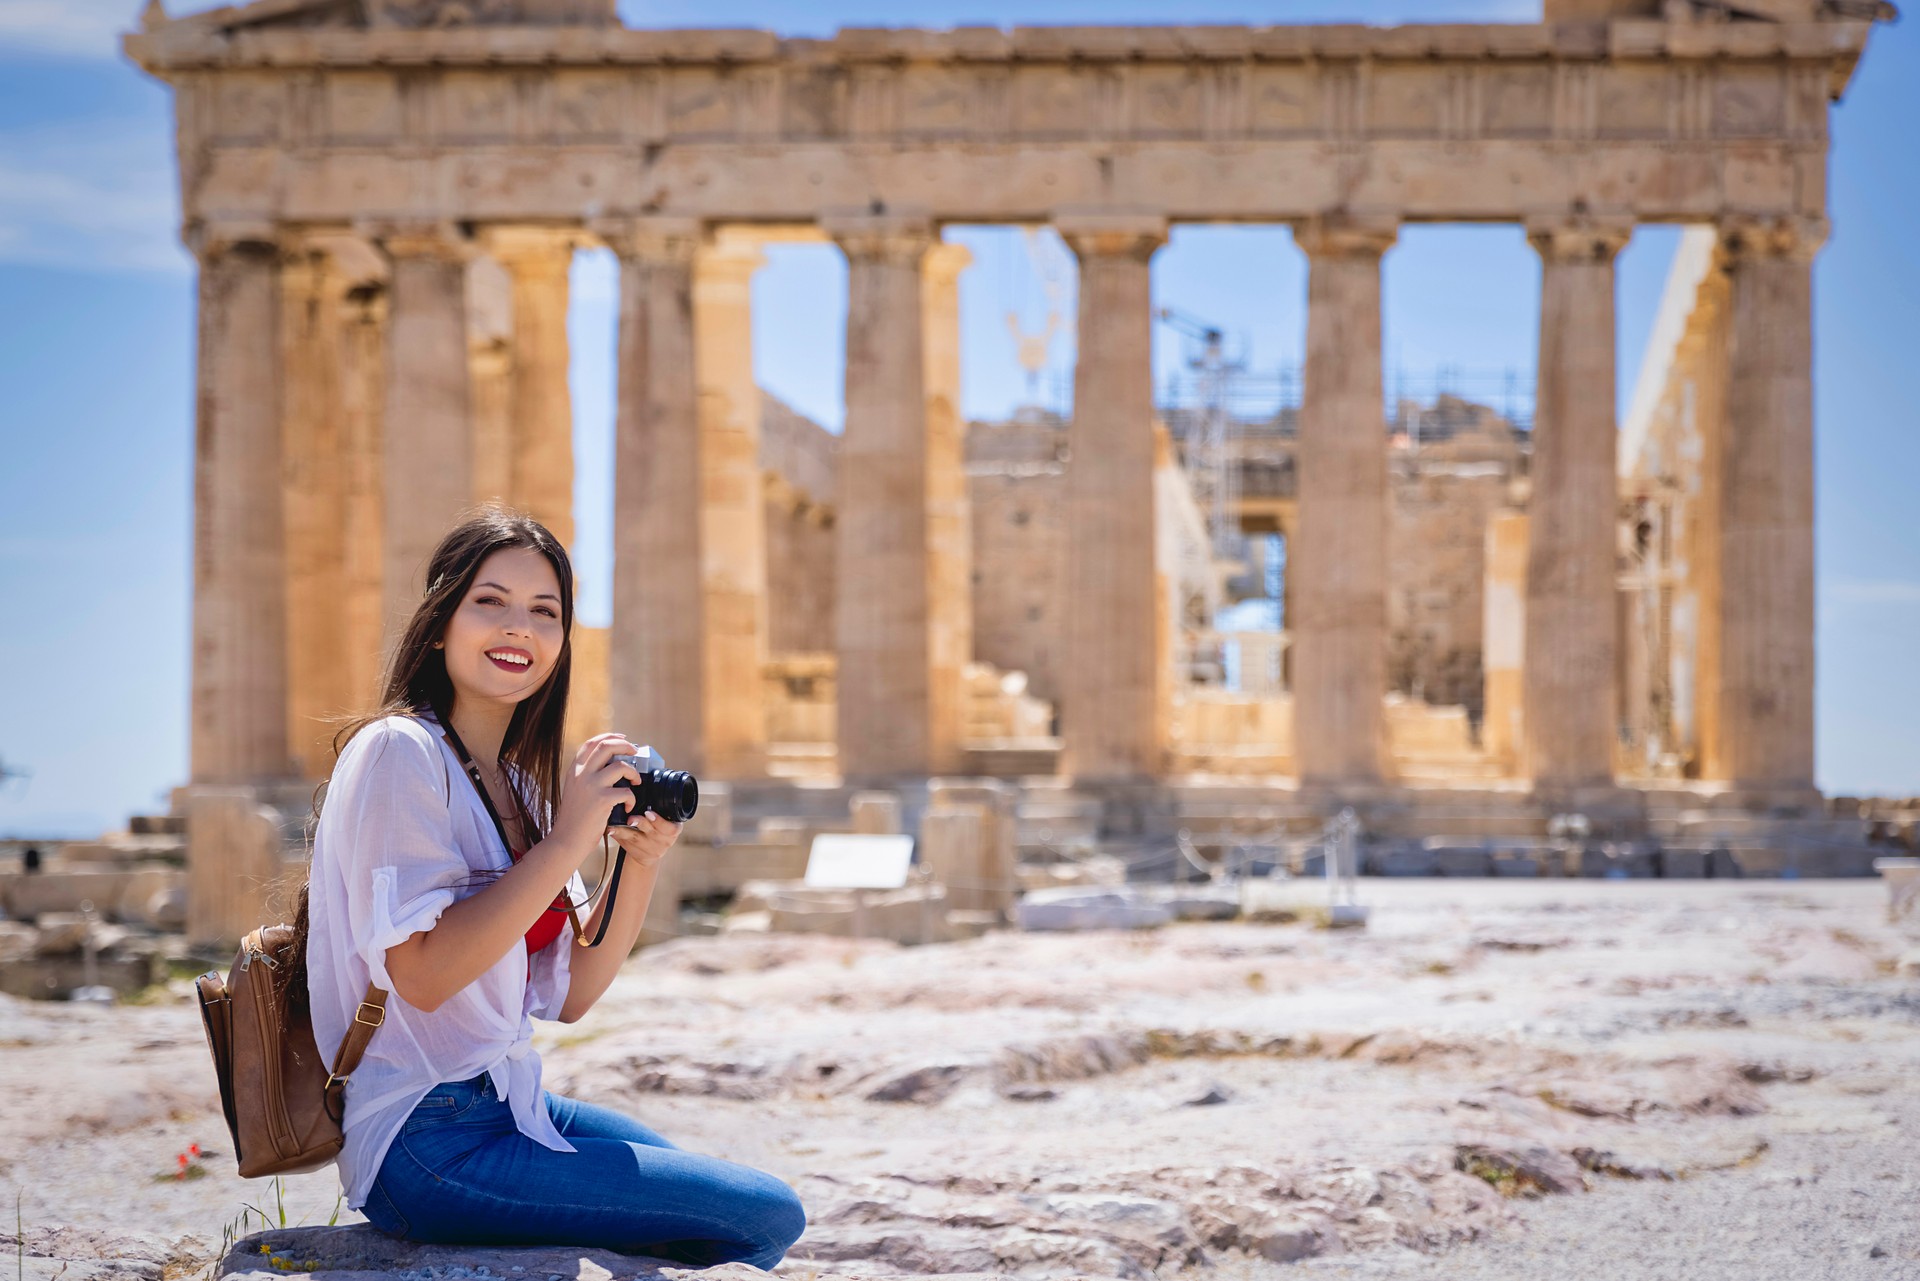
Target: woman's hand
{"points": [[646, 838], [591, 789]]}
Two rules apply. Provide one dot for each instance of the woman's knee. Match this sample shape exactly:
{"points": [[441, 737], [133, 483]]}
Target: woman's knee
{"points": [[780, 1216]]}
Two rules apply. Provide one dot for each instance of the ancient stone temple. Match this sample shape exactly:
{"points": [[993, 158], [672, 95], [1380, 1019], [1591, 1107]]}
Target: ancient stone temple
{"points": [[361, 179]]}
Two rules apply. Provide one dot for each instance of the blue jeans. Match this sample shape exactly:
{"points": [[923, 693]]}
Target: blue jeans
{"points": [[460, 1172]]}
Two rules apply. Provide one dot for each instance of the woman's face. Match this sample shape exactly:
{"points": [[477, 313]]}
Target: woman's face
{"points": [[504, 638]]}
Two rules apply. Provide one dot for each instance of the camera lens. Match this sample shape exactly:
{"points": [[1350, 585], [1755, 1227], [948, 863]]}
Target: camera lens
{"points": [[672, 794]]}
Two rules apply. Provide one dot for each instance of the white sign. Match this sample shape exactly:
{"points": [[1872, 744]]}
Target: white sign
{"points": [[840, 861]]}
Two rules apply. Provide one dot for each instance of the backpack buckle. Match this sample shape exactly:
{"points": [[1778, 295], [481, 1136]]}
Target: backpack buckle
{"points": [[379, 1014]]}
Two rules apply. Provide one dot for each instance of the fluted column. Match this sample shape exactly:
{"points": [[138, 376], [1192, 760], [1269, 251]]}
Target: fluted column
{"points": [[1766, 613], [733, 514], [239, 683], [490, 378], [1337, 558], [428, 446], [315, 478], [949, 515], [1570, 707], [541, 450], [883, 623], [1111, 680], [363, 399], [656, 660]]}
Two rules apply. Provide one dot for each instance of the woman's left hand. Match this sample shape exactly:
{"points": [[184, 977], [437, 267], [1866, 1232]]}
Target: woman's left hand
{"points": [[646, 838]]}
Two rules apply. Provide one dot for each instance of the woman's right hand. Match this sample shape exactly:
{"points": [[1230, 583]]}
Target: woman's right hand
{"points": [[591, 789]]}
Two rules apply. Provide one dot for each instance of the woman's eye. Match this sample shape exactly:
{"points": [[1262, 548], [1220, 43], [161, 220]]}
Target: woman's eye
{"points": [[549, 613], [487, 600]]}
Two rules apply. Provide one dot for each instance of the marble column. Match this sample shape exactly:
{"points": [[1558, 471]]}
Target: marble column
{"points": [[732, 510], [949, 514], [539, 259], [1766, 610], [883, 621], [428, 449], [1113, 674], [1704, 352], [490, 378], [1337, 557], [363, 398], [1570, 706], [239, 680], [314, 475], [656, 659], [1504, 637]]}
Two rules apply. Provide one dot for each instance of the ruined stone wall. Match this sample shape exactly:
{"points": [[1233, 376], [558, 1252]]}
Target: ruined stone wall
{"points": [[1443, 493], [1017, 479], [797, 458]]}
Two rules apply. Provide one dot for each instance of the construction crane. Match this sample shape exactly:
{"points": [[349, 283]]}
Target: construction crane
{"points": [[1211, 465]]}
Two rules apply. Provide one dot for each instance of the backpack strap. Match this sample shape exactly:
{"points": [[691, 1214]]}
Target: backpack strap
{"points": [[353, 1047]]}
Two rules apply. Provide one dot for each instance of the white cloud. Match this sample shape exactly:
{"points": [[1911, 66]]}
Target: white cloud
{"points": [[96, 195], [1886, 592]]}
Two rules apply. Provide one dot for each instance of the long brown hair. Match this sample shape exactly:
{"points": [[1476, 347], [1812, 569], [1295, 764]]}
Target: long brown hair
{"points": [[416, 683]]}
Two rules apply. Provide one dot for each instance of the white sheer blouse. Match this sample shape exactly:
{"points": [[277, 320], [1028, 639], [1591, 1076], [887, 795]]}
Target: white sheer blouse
{"points": [[402, 836]]}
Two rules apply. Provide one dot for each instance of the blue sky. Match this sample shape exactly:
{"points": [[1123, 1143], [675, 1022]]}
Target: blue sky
{"points": [[96, 324]]}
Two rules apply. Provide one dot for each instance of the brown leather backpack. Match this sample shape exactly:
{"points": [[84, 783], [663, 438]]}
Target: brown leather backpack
{"points": [[283, 1108]]}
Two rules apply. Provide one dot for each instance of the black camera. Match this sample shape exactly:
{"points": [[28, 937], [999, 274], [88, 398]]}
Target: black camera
{"points": [[672, 794]]}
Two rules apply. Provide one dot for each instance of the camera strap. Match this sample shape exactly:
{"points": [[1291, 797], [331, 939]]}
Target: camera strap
{"points": [[486, 801]]}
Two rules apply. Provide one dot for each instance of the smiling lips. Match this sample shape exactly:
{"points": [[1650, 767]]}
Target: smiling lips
{"points": [[510, 660]]}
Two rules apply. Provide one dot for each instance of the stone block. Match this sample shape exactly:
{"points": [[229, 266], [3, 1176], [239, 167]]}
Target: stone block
{"points": [[997, 877], [52, 978], [953, 849], [36, 894], [235, 863], [63, 932], [146, 885], [1089, 909], [875, 813], [16, 940], [1098, 869], [361, 1251], [1401, 860], [963, 924], [1461, 860], [1617, 862], [1676, 865], [916, 914], [1203, 902]]}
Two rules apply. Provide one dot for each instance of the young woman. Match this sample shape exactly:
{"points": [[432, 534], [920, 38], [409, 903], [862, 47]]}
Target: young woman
{"points": [[448, 1134]]}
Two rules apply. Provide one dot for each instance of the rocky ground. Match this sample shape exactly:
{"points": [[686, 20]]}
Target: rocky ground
{"points": [[1494, 1079]]}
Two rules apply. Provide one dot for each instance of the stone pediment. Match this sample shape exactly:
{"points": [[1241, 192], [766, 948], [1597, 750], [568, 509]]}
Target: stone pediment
{"points": [[366, 14]]}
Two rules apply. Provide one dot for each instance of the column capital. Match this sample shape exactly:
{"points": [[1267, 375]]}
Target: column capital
{"points": [[1579, 238], [666, 241], [526, 250], [894, 237], [1111, 232], [1343, 235], [946, 260], [1743, 237], [442, 241], [207, 238], [342, 259]]}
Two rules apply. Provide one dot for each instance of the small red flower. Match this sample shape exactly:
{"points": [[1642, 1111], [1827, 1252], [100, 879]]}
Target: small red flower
{"points": [[183, 1160], [193, 1149]]}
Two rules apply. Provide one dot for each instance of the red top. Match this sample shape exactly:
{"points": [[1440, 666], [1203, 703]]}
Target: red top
{"points": [[551, 922]]}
